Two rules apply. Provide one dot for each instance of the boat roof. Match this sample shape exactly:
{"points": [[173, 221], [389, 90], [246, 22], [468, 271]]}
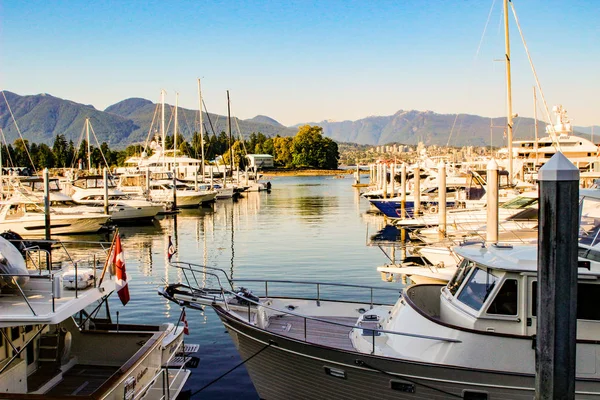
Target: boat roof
{"points": [[40, 307], [518, 258]]}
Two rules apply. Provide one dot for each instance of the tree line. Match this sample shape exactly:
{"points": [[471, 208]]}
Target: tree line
{"points": [[307, 149]]}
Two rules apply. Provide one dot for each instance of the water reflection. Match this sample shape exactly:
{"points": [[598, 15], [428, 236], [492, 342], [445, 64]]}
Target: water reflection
{"points": [[307, 228]]}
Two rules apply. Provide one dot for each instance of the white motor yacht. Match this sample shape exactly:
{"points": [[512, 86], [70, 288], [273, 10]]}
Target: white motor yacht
{"points": [[89, 190], [51, 347], [473, 337], [25, 215]]}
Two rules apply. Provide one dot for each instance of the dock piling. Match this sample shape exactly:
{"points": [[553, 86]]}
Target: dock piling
{"points": [[557, 279], [417, 191], [492, 202]]}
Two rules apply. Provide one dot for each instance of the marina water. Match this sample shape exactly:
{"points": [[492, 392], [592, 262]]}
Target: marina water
{"points": [[306, 228]]}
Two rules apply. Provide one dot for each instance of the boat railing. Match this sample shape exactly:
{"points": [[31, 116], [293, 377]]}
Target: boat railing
{"points": [[318, 286], [191, 270], [252, 305], [42, 261], [167, 382], [374, 331]]}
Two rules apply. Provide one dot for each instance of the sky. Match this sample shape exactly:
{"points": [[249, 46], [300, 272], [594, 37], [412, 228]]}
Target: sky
{"points": [[305, 61]]}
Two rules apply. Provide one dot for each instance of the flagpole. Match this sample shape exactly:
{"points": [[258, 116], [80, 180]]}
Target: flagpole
{"points": [[112, 245], [179, 320]]}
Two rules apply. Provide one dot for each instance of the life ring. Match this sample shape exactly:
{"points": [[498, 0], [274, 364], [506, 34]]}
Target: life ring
{"points": [[433, 209]]}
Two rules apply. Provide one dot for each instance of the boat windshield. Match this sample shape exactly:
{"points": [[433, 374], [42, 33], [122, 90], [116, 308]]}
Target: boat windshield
{"points": [[520, 202], [589, 223], [478, 288], [459, 276]]}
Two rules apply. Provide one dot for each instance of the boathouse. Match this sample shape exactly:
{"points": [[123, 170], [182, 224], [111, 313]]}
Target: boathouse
{"points": [[260, 160]]}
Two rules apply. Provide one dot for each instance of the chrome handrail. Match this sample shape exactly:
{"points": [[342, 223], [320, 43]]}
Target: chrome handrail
{"points": [[164, 372], [190, 267], [342, 324]]}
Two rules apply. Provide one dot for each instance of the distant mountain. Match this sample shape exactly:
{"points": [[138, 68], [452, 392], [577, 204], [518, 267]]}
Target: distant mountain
{"points": [[412, 127], [263, 119], [41, 117]]}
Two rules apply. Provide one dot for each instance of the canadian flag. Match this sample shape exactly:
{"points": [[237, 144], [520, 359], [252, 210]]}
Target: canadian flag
{"points": [[183, 320], [121, 276], [170, 250]]}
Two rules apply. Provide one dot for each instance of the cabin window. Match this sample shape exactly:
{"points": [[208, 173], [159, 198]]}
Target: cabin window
{"points": [[506, 300], [588, 296], [459, 276], [478, 288], [589, 227], [520, 202]]}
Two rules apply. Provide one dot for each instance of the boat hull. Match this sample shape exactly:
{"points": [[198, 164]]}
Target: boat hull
{"points": [[393, 208], [63, 225], [293, 369]]}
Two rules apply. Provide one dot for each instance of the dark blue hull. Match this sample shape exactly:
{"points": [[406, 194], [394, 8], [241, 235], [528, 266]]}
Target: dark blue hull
{"points": [[392, 208]]}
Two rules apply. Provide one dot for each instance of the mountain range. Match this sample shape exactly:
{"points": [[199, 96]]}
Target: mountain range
{"points": [[41, 117]]}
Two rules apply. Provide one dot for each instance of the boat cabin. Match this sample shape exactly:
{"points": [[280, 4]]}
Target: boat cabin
{"points": [[93, 182], [495, 287], [494, 290]]}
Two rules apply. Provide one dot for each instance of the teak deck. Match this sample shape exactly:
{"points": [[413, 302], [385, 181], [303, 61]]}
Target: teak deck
{"points": [[318, 332]]}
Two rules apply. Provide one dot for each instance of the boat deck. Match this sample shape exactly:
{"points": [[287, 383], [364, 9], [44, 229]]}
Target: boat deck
{"points": [[317, 332], [82, 380]]}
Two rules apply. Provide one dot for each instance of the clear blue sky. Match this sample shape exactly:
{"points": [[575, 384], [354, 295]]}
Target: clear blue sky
{"points": [[304, 61]]}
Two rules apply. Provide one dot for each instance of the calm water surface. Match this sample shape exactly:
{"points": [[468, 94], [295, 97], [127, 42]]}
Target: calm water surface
{"points": [[307, 228]]}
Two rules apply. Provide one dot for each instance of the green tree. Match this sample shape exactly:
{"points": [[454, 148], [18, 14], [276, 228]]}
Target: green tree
{"points": [[60, 148], [21, 147], [282, 150], [238, 155], [267, 147], [45, 156], [311, 149], [332, 156], [70, 155]]}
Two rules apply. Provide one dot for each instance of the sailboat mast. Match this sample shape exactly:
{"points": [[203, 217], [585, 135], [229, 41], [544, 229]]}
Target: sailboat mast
{"points": [[175, 134], [162, 124], [89, 153], [535, 119], [509, 118], [229, 128], [201, 128]]}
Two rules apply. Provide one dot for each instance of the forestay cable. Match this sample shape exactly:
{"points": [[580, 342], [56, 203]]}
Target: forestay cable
{"points": [[19, 131], [552, 132]]}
